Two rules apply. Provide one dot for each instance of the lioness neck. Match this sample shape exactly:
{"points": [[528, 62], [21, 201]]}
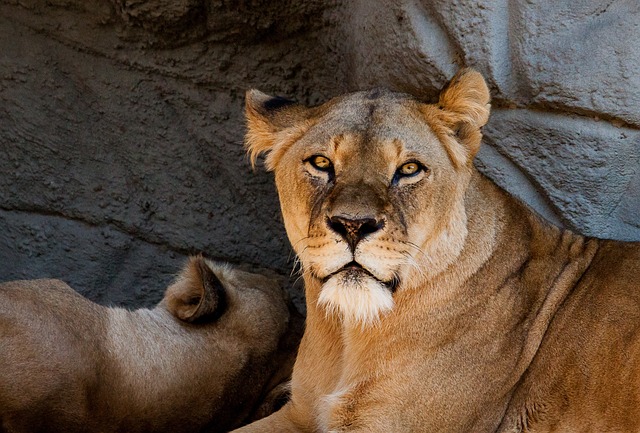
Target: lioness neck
{"points": [[150, 357], [530, 260]]}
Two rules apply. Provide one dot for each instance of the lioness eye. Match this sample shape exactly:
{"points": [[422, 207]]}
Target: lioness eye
{"points": [[409, 169], [320, 162]]}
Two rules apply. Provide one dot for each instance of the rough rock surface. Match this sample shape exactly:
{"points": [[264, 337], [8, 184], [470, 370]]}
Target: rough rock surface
{"points": [[121, 138]]}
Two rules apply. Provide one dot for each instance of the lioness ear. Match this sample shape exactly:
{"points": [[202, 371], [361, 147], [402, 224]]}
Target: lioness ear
{"points": [[464, 105], [273, 123], [197, 294]]}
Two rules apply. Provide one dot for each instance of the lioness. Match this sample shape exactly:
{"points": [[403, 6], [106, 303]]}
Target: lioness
{"points": [[200, 361], [436, 302]]}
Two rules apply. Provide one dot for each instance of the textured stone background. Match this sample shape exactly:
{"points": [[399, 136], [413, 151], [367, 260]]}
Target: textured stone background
{"points": [[121, 121]]}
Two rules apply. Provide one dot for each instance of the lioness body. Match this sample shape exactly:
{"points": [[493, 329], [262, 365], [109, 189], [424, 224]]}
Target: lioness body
{"points": [[497, 321], [200, 360]]}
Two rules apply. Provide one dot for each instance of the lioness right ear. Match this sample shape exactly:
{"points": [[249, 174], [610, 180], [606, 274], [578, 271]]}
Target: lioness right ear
{"points": [[197, 294], [464, 105], [273, 123]]}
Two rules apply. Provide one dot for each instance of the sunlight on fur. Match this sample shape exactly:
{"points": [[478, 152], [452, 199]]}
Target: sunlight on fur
{"points": [[360, 301], [441, 250]]}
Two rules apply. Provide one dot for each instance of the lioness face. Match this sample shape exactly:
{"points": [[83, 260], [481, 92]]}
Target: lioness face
{"points": [[365, 194], [371, 187]]}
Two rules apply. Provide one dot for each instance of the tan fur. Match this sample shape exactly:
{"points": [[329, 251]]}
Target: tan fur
{"points": [[500, 321], [204, 357]]}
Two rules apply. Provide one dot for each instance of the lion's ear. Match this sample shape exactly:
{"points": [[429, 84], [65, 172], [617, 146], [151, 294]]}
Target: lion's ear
{"points": [[197, 295], [464, 105], [272, 122]]}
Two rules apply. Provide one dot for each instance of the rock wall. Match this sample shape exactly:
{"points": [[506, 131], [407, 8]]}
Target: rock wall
{"points": [[122, 128]]}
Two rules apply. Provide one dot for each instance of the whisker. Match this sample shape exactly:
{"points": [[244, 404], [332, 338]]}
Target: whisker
{"points": [[411, 261], [417, 248], [297, 266], [300, 240], [300, 275], [293, 247], [297, 258]]}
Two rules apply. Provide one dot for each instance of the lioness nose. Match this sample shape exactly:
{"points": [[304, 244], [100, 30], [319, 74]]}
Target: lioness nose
{"points": [[353, 230]]}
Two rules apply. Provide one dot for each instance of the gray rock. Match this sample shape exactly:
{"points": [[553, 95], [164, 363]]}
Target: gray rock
{"points": [[104, 264], [585, 169], [580, 57]]}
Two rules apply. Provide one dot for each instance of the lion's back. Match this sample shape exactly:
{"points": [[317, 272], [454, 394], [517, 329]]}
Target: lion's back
{"points": [[42, 324]]}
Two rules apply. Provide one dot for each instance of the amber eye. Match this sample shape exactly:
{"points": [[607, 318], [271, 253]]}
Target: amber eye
{"points": [[409, 169], [320, 162]]}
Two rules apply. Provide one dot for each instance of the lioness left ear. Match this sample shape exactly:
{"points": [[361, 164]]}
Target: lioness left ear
{"points": [[272, 124], [464, 105], [197, 294]]}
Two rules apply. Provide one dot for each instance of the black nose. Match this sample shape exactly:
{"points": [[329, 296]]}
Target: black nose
{"points": [[353, 230]]}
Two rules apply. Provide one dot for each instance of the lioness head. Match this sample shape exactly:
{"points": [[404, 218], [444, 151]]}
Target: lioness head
{"points": [[371, 186]]}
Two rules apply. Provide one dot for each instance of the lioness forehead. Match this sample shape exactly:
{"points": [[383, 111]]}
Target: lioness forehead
{"points": [[376, 111], [376, 117], [371, 122]]}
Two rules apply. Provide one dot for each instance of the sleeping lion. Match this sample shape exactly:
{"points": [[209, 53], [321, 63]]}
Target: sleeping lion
{"points": [[202, 360], [437, 302]]}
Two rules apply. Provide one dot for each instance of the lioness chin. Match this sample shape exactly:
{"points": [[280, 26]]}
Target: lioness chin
{"points": [[436, 302]]}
